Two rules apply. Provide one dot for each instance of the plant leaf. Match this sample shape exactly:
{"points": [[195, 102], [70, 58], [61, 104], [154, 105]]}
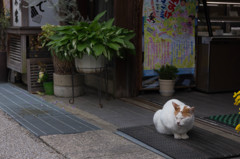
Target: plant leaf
{"points": [[99, 49], [88, 50], [114, 46], [99, 16], [74, 43], [129, 36], [109, 23], [82, 46], [117, 39], [129, 45]]}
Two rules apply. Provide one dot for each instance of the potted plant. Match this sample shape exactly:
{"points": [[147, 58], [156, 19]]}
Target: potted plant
{"points": [[91, 43], [62, 76], [43, 78], [167, 76]]}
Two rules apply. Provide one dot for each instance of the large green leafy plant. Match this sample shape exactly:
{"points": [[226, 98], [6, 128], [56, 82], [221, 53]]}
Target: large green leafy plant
{"points": [[167, 72], [4, 24], [47, 31], [92, 38], [61, 66]]}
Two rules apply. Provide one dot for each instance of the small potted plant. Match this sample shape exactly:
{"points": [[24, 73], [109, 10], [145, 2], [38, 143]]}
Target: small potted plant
{"points": [[43, 78], [167, 76]]}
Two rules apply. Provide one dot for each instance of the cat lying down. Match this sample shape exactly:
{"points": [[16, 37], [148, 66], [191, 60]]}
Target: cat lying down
{"points": [[174, 118]]}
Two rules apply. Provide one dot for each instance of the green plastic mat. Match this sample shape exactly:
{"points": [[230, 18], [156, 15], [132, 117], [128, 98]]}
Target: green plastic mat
{"points": [[230, 119]]}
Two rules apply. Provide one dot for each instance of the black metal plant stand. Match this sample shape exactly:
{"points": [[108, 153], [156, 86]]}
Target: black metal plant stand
{"points": [[71, 101], [100, 71]]}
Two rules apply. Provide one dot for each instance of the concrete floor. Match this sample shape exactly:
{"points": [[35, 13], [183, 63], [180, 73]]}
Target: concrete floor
{"points": [[102, 143], [117, 113], [206, 104]]}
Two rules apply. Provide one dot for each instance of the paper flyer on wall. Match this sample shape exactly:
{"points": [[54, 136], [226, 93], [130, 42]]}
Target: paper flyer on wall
{"points": [[169, 35]]}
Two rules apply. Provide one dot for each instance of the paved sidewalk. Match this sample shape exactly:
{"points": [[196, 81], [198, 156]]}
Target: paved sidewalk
{"points": [[17, 143], [114, 114], [103, 143]]}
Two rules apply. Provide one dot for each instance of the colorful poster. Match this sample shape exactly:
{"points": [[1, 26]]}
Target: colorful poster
{"points": [[169, 35], [6, 4]]}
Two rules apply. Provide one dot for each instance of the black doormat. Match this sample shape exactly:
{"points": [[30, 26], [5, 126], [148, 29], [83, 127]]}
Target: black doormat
{"points": [[230, 119], [202, 144]]}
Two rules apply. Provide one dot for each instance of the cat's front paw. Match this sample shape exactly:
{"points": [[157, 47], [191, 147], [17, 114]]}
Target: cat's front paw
{"points": [[185, 136], [177, 136]]}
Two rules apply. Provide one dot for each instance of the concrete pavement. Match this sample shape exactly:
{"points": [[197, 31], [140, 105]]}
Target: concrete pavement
{"points": [[17, 142], [104, 143]]}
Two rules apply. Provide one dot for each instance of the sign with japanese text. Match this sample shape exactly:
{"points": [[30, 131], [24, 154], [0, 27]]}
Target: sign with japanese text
{"points": [[42, 12], [16, 13], [169, 35]]}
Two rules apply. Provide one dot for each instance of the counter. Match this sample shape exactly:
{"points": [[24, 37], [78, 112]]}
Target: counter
{"points": [[218, 60]]}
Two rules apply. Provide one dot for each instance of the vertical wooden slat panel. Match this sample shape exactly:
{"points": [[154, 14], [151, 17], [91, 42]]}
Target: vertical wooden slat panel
{"points": [[83, 8], [14, 60], [128, 14], [24, 53], [1, 6]]}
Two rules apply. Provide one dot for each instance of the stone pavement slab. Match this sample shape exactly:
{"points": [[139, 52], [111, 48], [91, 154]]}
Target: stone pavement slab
{"points": [[97, 144], [17, 143]]}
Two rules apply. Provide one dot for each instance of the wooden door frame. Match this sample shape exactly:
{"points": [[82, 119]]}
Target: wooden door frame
{"points": [[128, 72]]}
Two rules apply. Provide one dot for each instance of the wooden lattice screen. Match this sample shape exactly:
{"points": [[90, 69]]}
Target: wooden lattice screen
{"points": [[33, 71], [17, 53]]}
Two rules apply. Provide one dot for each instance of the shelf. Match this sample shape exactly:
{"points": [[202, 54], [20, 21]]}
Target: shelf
{"points": [[219, 17], [224, 19]]}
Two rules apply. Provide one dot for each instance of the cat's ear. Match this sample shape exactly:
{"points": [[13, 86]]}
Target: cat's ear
{"points": [[192, 109], [176, 107]]}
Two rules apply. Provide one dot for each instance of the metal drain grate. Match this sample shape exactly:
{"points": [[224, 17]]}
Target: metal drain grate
{"points": [[37, 115]]}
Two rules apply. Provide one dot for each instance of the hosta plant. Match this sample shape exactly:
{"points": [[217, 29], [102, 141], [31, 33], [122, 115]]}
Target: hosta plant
{"points": [[92, 38]]}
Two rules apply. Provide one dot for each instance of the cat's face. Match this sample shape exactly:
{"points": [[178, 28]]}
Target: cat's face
{"points": [[183, 115]]}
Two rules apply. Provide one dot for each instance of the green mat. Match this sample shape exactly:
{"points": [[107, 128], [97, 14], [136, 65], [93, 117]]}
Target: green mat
{"points": [[231, 119]]}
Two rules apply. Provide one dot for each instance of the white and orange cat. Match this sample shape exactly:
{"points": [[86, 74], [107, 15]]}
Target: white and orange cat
{"points": [[174, 118]]}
